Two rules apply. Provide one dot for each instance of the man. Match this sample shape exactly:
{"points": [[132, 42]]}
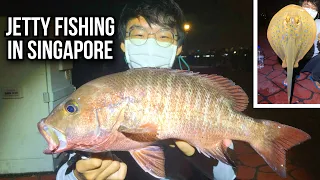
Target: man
{"points": [[151, 35], [312, 65]]}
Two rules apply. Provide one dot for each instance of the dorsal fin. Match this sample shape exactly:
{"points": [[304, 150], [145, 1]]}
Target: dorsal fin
{"points": [[233, 92]]}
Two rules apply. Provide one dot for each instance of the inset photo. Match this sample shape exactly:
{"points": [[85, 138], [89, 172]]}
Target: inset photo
{"points": [[287, 67]]}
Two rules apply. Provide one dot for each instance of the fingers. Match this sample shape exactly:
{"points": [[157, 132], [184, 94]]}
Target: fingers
{"points": [[120, 174], [108, 167], [186, 148], [112, 168], [172, 145], [93, 174], [88, 164], [227, 142]]}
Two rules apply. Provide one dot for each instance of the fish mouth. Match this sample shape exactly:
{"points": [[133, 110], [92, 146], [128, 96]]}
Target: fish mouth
{"points": [[56, 140]]}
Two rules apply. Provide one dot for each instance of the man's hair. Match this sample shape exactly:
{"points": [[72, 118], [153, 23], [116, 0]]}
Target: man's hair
{"points": [[315, 2], [165, 13]]}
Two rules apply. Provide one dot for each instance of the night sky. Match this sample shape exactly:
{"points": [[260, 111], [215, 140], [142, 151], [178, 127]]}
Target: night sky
{"points": [[219, 23], [214, 23], [273, 6]]}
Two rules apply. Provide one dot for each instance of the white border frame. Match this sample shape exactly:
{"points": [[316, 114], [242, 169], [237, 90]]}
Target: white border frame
{"points": [[255, 70]]}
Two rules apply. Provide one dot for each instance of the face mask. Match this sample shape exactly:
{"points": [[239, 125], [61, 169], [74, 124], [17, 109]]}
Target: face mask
{"points": [[150, 54], [312, 12]]}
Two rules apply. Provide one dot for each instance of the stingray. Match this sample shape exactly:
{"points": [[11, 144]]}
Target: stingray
{"points": [[291, 34]]}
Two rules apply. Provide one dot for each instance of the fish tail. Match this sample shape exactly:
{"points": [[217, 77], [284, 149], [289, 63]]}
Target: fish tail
{"points": [[276, 139]]}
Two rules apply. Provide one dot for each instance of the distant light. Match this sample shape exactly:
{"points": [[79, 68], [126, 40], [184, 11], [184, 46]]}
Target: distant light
{"points": [[186, 27], [234, 52], [245, 54]]}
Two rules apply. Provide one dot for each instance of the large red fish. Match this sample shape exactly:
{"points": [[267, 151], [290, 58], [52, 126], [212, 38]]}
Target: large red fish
{"points": [[132, 110]]}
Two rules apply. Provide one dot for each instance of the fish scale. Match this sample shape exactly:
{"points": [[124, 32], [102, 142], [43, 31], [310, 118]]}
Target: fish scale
{"points": [[133, 110], [189, 93]]}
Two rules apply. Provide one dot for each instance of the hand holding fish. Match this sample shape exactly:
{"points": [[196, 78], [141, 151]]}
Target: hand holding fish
{"points": [[100, 167], [188, 150]]}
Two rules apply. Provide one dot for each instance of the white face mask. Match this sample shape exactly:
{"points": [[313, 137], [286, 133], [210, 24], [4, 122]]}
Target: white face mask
{"points": [[149, 54], [312, 12]]}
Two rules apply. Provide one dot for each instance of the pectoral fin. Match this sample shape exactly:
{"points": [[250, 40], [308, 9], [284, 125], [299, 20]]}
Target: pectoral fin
{"points": [[143, 133], [296, 64], [150, 159], [145, 128], [284, 63]]}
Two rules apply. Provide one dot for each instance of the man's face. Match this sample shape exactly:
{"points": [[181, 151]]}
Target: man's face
{"points": [[307, 4], [141, 22]]}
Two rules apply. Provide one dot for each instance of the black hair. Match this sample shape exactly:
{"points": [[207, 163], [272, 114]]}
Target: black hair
{"points": [[165, 13], [314, 2]]}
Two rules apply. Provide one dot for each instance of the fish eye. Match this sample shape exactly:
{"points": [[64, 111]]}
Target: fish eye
{"points": [[71, 106]]}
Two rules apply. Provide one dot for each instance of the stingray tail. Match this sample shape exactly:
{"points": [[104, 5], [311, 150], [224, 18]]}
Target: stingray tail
{"points": [[289, 80], [290, 59]]}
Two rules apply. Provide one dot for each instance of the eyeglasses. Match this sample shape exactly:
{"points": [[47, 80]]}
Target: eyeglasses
{"points": [[164, 37]]}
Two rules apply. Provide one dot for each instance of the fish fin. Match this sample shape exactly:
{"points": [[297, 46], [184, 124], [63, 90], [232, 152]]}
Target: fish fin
{"points": [[235, 92], [144, 133], [228, 88], [145, 128], [151, 159], [284, 63], [218, 151], [118, 115], [277, 140]]}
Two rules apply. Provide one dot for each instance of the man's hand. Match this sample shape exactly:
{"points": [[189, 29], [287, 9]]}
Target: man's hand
{"points": [[188, 150], [100, 167]]}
